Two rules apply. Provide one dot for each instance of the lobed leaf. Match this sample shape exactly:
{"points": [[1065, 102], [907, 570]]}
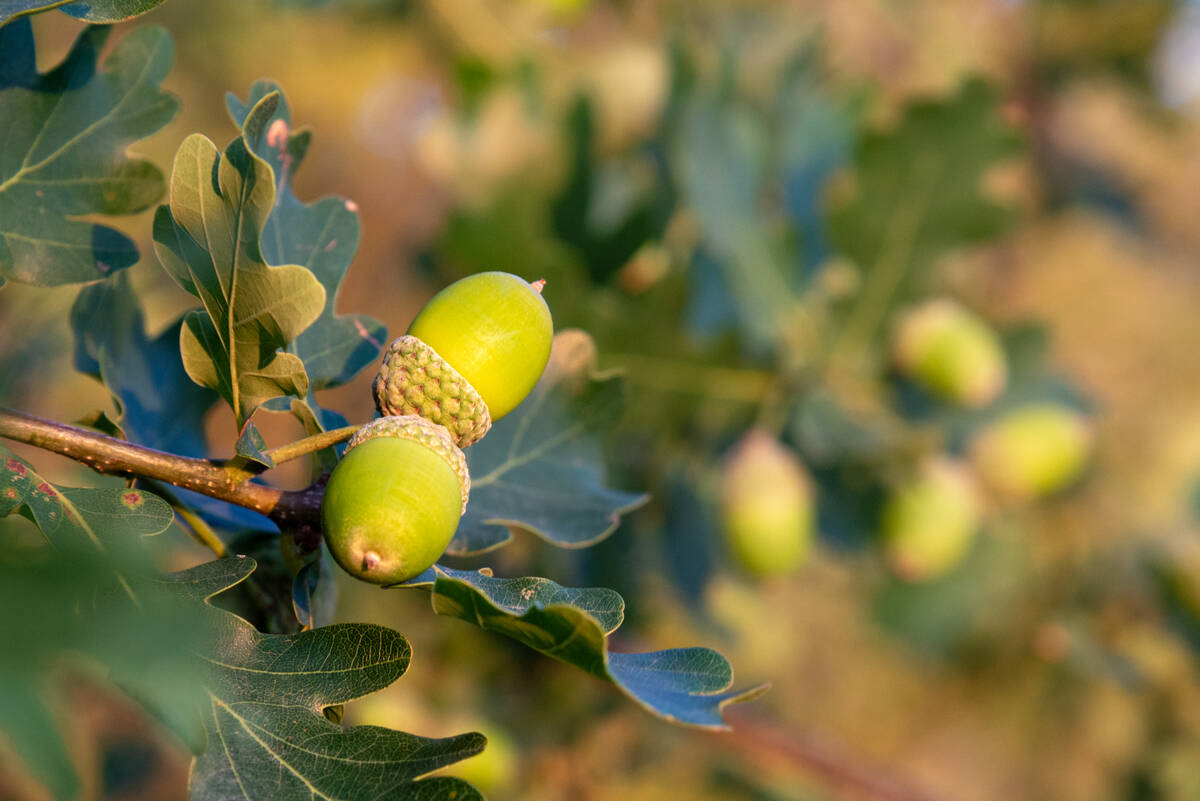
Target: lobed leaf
{"points": [[158, 405], [209, 240], [541, 469], [78, 517], [918, 190], [267, 736], [689, 686], [63, 154], [322, 236]]}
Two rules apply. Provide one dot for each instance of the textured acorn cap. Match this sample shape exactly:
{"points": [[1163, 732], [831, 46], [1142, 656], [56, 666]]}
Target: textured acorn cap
{"points": [[419, 429], [414, 379]]}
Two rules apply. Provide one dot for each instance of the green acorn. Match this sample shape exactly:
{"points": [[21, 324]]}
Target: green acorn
{"points": [[951, 353], [930, 520], [471, 355], [1032, 451], [767, 509], [393, 502]]}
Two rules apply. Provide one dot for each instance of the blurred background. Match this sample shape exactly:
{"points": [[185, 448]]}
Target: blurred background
{"points": [[905, 294]]}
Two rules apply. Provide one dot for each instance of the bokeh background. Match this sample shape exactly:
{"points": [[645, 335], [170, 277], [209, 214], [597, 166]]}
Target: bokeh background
{"points": [[712, 189]]}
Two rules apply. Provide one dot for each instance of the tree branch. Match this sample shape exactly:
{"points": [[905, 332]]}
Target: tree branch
{"points": [[847, 775], [113, 456]]}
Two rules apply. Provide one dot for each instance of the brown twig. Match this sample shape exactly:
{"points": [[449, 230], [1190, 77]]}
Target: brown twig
{"points": [[836, 769], [113, 456]]}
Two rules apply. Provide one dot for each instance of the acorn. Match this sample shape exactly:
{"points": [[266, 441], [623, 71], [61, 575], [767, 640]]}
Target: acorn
{"points": [[930, 520], [767, 509], [1033, 451], [494, 769], [470, 356], [394, 500], [951, 353]]}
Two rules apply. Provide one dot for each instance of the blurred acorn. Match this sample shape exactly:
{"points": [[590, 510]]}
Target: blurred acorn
{"points": [[930, 520], [767, 506], [951, 353], [494, 770], [1032, 451]]}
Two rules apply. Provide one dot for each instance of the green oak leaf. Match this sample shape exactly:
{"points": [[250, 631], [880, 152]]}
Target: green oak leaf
{"points": [[78, 516], [322, 236], [689, 686], [267, 737], [158, 405], [918, 194], [63, 152], [209, 240], [541, 468], [87, 10]]}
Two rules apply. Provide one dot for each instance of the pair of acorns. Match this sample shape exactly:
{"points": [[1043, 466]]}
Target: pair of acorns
{"points": [[470, 357]]}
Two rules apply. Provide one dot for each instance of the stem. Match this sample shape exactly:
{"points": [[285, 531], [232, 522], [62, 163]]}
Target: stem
{"points": [[112, 456], [312, 444], [725, 383], [891, 264], [835, 767], [242, 470]]}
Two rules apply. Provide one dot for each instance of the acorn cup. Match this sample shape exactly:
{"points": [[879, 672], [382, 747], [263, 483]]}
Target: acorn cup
{"points": [[471, 355], [393, 502]]}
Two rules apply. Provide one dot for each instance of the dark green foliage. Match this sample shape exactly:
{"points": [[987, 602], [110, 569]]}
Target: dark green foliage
{"points": [[684, 685], [539, 470], [65, 138], [267, 735]]}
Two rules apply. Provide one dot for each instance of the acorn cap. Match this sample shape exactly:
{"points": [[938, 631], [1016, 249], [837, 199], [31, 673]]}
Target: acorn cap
{"points": [[414, 380], [419, 429]]}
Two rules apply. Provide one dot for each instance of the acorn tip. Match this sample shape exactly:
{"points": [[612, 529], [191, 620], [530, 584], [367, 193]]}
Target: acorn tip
{"points": [[538, 284]]}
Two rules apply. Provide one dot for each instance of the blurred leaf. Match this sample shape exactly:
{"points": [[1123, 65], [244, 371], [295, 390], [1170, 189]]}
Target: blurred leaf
{"points": [[721, 161], [829, 431], [267, 736], [814, 143], [683, 685], [66, 132], [918, 194], [158, 405], [691, 540], [541, 469], [89, 11], [85, 600], [947, 615], [604, 235], [208, 239], [62, 608], [321, 236]]}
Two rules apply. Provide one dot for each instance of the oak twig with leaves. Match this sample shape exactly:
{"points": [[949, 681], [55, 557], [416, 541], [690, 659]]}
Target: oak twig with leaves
{"points": [[256, 706]]}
